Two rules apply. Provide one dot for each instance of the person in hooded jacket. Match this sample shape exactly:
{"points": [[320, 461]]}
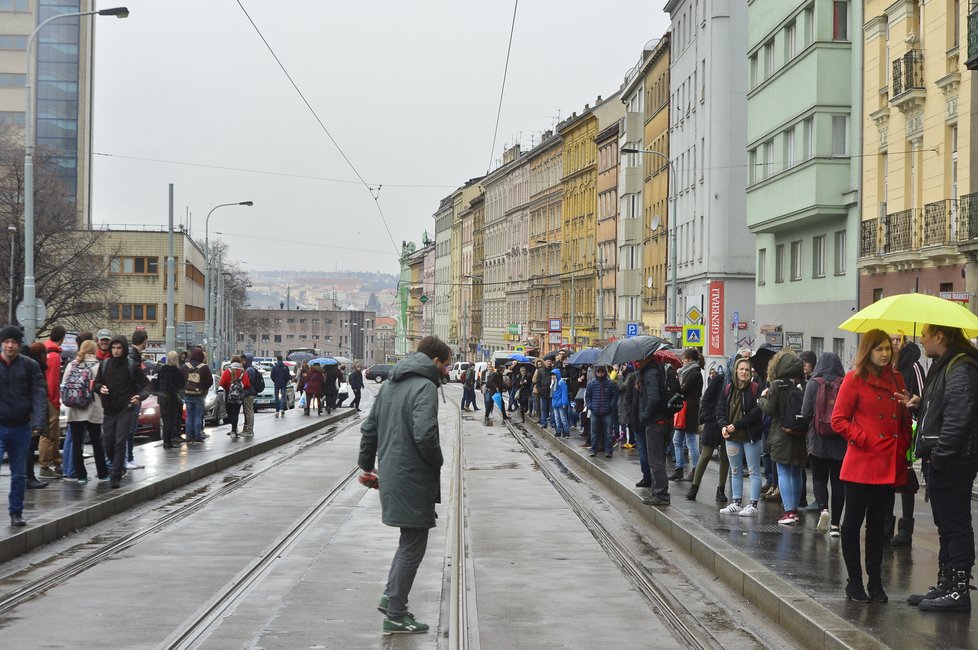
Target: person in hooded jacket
{"points": [[710, 439], [871, 414], [739, 418], [789, 451], [85, 419], [122, 386], [656, 424], [560, 402], [825, 452], [234, 372], [691, 384], [908, 363], [601, 396], [402, 431], [524, 387], [313, 387], [169, 384], [198, 380], [626, 432], [280, 377]]}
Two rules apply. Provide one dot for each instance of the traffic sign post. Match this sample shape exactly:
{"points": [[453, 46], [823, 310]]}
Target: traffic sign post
{"points": [[693, 335], [22, 312], [672, 329], [631, 329]]}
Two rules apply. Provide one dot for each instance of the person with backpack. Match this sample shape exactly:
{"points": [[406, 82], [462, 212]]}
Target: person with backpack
{"points": [[235, 382], [541, 384], [49, 456], [655, 418], [826, 448], [122, 386], [84, 412], [739, 418], [256, 384], [871, 414], [783, 400], [468, 390], [560, 403], [197, 381], [169, 383], [908, 363]]}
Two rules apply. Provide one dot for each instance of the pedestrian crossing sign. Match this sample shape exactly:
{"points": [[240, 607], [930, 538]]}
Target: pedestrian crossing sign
{"points": [[693, 335]]}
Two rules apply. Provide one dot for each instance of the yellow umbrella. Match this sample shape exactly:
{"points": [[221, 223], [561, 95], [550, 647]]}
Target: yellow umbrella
{"points": [[909, 312]]}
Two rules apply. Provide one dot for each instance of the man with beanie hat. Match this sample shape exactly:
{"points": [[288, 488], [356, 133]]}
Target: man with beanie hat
{"points": [[121, 385], [23, 408]]}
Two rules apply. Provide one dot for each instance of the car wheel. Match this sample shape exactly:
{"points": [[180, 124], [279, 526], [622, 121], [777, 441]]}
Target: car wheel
{"points": [[378, 379]]}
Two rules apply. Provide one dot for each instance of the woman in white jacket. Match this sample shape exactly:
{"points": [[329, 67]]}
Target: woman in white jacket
{"points": [[87, 418]]}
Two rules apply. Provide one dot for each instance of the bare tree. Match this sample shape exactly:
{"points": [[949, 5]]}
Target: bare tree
{"points": [[71, 267]]}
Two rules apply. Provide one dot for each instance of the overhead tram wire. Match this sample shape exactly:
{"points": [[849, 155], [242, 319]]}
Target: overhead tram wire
{"points": [[302, 243], [325, 130], [502, 89]]}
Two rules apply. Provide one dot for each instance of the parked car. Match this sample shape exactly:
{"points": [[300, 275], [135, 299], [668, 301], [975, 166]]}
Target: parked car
{"points": [[149, 418], [481, 369], [378, 372], [457, 373], [266, 398]]}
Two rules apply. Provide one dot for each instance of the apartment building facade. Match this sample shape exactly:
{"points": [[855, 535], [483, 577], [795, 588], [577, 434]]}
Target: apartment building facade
{"points": [[545, 240]]}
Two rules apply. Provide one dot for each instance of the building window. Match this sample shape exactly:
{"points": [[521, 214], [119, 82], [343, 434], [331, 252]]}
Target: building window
{"points": [[754, 77], [840, 20], [840, 135], [13, 42], [779, 263], [278, 338], [839, 347], [818, 256], [769, 59], [14, 5], [12, 80], [790, 45], [808, 139], [789, 148], [954, 23], [877, 295], [795, 260], [752, 166], [12, 118], [135, 265], [840, 252], [132, 312], [769, 158], [818, 345], [761, 267], [809, 25]]}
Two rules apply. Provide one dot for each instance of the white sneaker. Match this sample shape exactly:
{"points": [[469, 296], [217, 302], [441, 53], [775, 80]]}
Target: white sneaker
{"points": [[732, 508], [748, 511], [131, 464], [824, 519]]}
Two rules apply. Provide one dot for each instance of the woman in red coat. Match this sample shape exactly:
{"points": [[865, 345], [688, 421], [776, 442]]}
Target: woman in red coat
{"points": [[871, 414]]}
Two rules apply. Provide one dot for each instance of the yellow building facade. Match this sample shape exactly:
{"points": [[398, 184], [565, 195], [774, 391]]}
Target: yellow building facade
{"points": [[545, 240], [919, 224], [655, 190]]}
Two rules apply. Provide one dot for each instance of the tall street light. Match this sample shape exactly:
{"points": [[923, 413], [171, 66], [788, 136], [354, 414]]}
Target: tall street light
{"points": [[673, 253], [30, 299], [208, 306]]}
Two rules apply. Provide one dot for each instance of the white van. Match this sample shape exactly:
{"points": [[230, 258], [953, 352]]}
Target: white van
{"points": [[458, 370]]}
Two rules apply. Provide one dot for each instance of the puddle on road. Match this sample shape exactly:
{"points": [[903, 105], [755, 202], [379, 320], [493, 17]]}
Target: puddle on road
{"points": [[497, 466]]}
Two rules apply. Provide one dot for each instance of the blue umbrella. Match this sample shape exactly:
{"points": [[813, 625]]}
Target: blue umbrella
{"points": [[585, 357], [325, 361]]}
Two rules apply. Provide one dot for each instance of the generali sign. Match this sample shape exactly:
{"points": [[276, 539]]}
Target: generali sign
{"points": [[715, 318]]}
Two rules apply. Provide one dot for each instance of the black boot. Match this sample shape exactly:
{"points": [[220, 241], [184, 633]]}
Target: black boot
{"points": [[957, 598], [904, 536], [721, 495], [936, 591], [855, 591], [888, 525], [875, 589], [691, 495], [677, 475]]}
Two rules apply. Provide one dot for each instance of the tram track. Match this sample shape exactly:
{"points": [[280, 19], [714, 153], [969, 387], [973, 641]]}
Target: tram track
{"points": [[671, 611], [79, 564], [460, 625]]}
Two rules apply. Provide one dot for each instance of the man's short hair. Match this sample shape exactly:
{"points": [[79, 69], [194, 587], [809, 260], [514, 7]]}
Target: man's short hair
{"points": [[278, 357], [58, 333], [139, 337], [435, 348], [81, 337]]}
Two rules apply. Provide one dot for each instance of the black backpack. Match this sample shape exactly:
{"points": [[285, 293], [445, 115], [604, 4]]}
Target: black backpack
{"points": [[671, 392], [791, 398], [257, 381]]}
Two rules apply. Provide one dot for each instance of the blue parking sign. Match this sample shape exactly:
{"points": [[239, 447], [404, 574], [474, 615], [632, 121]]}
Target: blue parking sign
{"points": [[631, 329]]}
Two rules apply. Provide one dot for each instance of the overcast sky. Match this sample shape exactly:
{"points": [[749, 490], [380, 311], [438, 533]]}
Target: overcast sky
{"points": [[409, 91]]}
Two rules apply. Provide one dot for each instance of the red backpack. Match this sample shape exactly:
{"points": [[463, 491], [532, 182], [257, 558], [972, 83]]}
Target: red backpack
{"points": [[825, 404]]}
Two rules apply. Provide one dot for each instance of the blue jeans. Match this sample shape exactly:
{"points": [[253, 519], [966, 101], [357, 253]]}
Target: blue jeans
{"points": [[195, 416], [16, 440], [736, 452], [679, 438], [281, 398], [67, 462], [789, 482], [601, 431], [643, 454], [545, 409], [563, 422]]}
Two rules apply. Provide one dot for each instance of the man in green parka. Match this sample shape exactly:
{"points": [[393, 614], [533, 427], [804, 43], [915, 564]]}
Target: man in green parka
{"points": [[402, 430]]}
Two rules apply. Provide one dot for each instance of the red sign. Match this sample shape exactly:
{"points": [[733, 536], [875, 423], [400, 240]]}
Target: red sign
{"points": [[715, 318], [672, 328]]}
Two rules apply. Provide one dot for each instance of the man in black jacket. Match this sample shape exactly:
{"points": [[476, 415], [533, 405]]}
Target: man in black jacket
{"points": [[356, 385], [23, 408], [656, 425], [121, 385], [947, 440]]}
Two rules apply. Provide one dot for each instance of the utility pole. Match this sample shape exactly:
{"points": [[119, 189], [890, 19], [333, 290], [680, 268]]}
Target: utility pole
{"points": [[170, 335], [600, 276], [573, 333]]}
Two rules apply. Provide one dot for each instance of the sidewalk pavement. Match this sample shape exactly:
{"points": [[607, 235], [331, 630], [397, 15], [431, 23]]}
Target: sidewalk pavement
{"points": [[794, 574], [64, 507]]}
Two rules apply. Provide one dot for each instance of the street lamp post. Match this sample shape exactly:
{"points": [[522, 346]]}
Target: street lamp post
{"points": [[12, 231], [30, 298], [208, 303], [673, 253]]}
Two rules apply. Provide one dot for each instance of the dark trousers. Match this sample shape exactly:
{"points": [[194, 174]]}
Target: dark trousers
{"points": [[404, 567], [172, 416], [115, 433], [356, 398], [869, 503], [825, 471], [656, 434], [94, 430], [524, 404], [468, 397], [950, 500], [234, 410], [601, 431]]}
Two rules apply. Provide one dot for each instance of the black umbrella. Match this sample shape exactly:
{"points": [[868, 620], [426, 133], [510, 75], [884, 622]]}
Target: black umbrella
{"points": [[630, 349], [552, 356], [760, 359], [300, 357]]}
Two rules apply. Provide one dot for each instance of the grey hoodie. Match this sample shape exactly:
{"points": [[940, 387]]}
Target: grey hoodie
{"points": [[829, 368]]}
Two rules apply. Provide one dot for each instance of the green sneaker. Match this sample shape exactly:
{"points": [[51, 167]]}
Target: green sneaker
{"points": [[382, 605], [406, 625]]}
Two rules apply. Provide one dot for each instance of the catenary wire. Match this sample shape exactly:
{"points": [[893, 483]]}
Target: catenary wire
{"points": [[323, 126], [502, 89]]}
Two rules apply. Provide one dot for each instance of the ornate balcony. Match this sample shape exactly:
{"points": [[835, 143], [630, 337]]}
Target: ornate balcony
{"points": [[939, 222], [870, 238], [908, 87], [967, 217], [972, 62], [902, 231]]}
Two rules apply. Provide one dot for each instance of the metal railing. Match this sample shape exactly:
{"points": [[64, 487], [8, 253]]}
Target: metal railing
{"points": [[908, 72], [939, 222], [901, 231], [869, 238], [972, 62], [968, 217]]}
